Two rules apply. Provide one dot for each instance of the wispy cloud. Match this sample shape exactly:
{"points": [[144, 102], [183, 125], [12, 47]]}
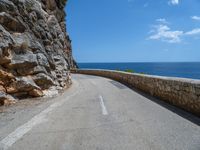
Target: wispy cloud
{"points": [[173, 2], [196, 18], [164, 33], [162, 20], [193, 32]]}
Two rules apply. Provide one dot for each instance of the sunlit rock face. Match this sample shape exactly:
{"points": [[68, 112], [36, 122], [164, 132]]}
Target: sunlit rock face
{"points": [[35, 50]]}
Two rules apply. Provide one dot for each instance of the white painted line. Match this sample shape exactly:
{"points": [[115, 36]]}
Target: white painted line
{"points": [[13, 137], [103, 107]]}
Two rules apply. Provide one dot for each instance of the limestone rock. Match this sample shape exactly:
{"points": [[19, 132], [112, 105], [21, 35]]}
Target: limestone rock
{"points": [[43, 81], [6, 78], [11, 23], [7, 6], [36, 93], [22, 84], [35, 50], [23, 60], [6, 99], [2, 89]]}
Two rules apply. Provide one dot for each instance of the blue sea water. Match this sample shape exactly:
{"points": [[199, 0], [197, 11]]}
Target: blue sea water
{"points": [[183, 69]]}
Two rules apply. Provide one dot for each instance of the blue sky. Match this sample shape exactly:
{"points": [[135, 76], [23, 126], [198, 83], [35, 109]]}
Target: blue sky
{"points": [[134, 30]]}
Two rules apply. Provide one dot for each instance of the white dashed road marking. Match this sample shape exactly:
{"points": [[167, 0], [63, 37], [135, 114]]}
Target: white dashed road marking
{"points": [[103, 107]]}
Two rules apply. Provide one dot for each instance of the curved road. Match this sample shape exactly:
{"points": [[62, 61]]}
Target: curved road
{"points": [[99, 114]]}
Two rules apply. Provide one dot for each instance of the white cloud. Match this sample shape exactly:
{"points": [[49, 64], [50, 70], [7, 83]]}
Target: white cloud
{"points": [[164, 33], [193, 32], [173, 2], [196, 18], [162, 20]]}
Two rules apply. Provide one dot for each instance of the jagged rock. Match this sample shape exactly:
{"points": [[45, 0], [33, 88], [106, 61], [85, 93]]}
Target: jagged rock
{"points": [[43, 81], [51, 4], [35, 50], [11, 89], [5, 56], [5, 38], [2, 89], [53, 25], [36, 93], [31, 71], [26, 84], [7, 6], [43, 61], [27, 60], [22, 84], [6, 77], [11, 23], [6, 99], [22, 42]]}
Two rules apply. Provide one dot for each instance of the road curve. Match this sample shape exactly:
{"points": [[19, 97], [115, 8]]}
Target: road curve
{"points": [[100, 114]]}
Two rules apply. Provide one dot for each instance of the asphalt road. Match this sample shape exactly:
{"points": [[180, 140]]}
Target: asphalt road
{"points": [[98, 114]]}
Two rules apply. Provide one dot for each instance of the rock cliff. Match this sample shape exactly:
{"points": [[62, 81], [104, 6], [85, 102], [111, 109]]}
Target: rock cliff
{"points": [[35, 50]]}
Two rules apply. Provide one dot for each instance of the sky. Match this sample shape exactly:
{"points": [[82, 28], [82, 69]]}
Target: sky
{"points": [[134, 30]]}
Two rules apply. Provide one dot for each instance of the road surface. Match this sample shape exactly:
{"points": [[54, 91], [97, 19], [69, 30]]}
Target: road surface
{"points": [[98, 114]]}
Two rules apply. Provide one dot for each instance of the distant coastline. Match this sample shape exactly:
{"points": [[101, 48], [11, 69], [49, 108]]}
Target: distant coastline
{"points": [[171, 69]]}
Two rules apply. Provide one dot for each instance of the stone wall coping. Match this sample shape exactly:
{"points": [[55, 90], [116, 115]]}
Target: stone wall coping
{"points": [[181, 92], [179, 79]]}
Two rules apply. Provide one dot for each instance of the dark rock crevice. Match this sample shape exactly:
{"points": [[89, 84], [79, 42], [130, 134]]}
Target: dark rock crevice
{"points": [[35, 49]]}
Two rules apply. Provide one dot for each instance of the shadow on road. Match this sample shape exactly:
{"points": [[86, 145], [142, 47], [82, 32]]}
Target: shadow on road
{"points": [[192, 118], [184, 114], [118, 85]]}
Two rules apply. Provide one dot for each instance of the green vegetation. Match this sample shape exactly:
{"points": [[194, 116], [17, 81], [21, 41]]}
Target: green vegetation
{"points": [[130, 71]]}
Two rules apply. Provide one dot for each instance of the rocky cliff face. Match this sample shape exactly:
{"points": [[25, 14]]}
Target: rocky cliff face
{"points": [[35, 51]]}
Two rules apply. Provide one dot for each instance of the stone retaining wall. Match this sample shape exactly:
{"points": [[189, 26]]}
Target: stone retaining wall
{"points": [[184, 93]]}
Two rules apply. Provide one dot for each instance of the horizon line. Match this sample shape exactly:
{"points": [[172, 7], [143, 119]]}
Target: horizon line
{"points": [[148, 62]]}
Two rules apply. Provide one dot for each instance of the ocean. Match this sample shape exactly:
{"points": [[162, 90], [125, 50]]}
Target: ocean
{"points": [[178, 69]]}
